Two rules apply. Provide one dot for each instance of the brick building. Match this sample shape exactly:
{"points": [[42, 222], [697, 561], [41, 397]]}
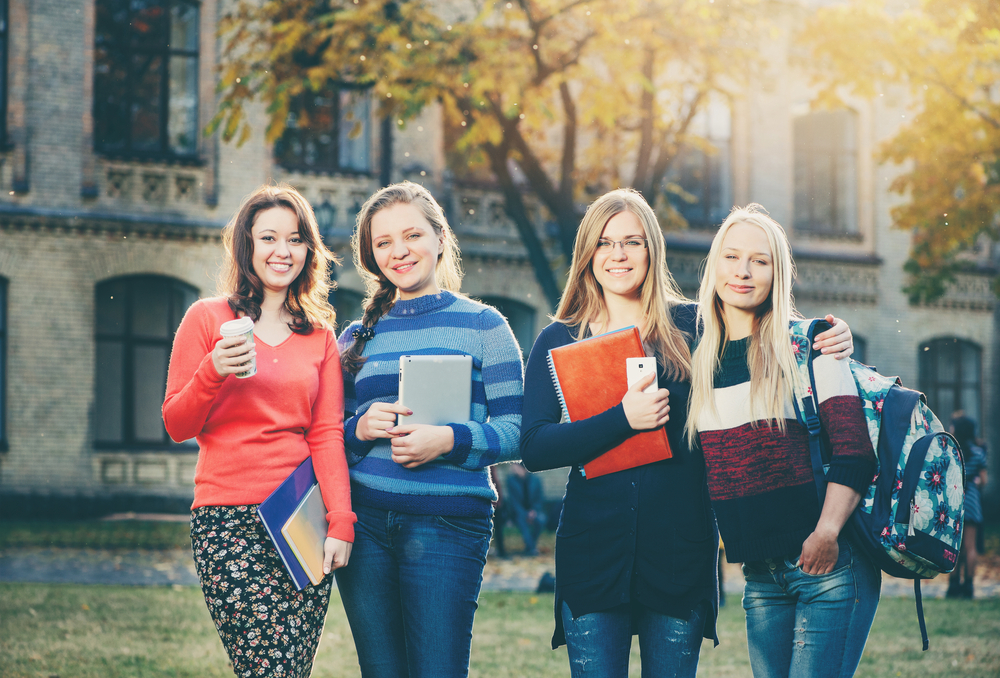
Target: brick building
{"points": [[112, 201]]}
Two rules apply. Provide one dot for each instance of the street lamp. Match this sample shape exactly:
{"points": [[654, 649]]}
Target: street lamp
{"points": [[326, 218]]}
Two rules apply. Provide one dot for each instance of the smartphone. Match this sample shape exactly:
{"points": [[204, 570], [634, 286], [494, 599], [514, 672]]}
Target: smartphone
{"points": [[637, 369]]}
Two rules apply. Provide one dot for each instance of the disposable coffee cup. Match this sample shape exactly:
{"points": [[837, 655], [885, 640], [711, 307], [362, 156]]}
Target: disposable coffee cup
{"points": [[241, 327]]}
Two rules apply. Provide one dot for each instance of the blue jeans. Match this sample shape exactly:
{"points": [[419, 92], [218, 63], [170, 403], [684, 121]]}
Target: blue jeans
{"points": [[810, 626], [410, 591], [599, 643]]}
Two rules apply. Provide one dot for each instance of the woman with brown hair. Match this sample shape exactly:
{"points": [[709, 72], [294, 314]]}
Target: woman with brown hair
{"points": [[422, 493], [252, 432]]}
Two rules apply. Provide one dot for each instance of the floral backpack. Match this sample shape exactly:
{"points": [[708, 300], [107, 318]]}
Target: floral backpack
{"points": [[910, 521]]}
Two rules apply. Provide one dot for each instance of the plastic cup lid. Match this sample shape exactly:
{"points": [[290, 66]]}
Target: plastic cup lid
{"points": [[234, 328]]}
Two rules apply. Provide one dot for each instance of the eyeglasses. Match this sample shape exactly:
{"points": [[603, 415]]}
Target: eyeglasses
{"points": [[629, 244]]}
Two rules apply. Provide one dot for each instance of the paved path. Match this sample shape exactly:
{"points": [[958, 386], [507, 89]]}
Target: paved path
{"points": [[176, 567]]}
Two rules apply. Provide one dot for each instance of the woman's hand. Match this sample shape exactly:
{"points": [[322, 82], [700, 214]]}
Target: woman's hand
{"points": [[646, 411], [231, 355], [336, 553], [819, 552], [378, 419], [416, 444], [837, 340]]}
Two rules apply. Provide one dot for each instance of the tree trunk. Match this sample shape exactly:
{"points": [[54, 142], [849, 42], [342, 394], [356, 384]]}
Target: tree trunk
{"points": [[516, 210]]}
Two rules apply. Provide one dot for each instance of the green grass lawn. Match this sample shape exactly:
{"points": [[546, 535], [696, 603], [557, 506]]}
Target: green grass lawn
{"points": [[95, 534], [112, 631]]}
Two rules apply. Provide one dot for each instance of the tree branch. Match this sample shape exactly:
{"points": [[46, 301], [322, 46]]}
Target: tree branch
{"points": [[568, 165]]}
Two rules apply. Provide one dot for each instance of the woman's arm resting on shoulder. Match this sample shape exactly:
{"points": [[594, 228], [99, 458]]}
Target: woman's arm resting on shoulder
{"points": [[820, 549], [837, 340]]}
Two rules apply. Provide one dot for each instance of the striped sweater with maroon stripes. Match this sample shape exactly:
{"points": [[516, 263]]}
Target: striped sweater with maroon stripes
{"points": [[759, 478]]}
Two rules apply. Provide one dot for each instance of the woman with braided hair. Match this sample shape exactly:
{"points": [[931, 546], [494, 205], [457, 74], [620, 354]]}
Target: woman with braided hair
{"points": [[422, 493]]}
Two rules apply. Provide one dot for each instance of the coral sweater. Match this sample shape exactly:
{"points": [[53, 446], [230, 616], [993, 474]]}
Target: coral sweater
{"points": [[253, 432]]}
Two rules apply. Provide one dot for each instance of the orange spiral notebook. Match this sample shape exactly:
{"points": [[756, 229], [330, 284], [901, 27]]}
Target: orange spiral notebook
{"points": [[590, 378]]}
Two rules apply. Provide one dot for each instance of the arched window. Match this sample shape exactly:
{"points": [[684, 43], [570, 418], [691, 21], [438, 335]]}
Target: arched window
{"points": [[826, 173], [520, 317], [3, 364], [136, 318], [146, 78], [951, 377]]}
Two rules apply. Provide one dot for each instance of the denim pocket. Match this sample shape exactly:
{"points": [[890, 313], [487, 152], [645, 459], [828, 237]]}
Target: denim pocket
{"points": [[472, 527]]}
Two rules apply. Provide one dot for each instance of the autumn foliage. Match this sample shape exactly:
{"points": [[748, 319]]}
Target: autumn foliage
{"points": [[945, 54], [561, 98]]}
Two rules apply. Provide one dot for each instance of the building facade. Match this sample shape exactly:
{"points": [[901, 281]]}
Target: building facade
{"points": [[112, 201]]}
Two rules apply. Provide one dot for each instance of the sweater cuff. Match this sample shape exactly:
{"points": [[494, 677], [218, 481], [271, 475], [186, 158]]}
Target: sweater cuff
{"points": [[620, 421], [206, 370], [857, 476], [353, 444], [341, 525], [463, 445]]}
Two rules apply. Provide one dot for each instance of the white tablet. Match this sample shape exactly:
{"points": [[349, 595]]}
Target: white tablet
{"points": [[438, 388]]}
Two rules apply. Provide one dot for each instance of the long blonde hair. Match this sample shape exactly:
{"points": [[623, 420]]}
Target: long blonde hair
{"points": [[381, 294], [773, 370], [583, 299]]}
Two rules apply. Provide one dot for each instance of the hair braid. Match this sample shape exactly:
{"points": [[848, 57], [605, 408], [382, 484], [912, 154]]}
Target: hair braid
{"points": [[377, 305]]}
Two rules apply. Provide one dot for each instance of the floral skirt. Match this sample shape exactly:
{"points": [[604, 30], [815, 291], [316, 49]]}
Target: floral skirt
{"points": [[267, 627]]}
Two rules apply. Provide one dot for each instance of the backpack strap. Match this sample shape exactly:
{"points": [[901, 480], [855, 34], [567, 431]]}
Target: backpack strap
{"points": [[920, 614], [803, 334]]}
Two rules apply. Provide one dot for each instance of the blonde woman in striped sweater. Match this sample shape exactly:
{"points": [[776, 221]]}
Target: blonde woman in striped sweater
{"points": [[810, 596]]}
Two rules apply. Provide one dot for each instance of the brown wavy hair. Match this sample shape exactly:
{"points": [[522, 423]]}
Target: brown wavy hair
{"points": [[308, 295], [381, 294]]}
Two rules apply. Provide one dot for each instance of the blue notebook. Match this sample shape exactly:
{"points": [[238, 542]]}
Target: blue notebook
{"points": [[275, 511]]}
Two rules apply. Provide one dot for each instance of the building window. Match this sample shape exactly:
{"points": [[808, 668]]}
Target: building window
{"points": [[3, 364], [135, 325], [699, 183], [826, 173], [327, 131], [521, 319], [951, 377], [146, 78]]}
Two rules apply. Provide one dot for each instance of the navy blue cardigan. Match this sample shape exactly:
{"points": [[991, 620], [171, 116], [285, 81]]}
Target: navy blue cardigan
{"points": [[643, 536]]}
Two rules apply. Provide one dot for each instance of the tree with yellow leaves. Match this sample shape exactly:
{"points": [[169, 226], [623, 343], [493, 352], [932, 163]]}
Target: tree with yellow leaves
{"points": [[582, 95], [946, 53]]}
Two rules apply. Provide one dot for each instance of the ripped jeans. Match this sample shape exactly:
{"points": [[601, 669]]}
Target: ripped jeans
{"points": [[599, 643], [809, 626]]}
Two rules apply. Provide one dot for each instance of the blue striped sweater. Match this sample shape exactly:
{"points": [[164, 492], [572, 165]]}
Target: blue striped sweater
{"points": [[458, 483]]}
